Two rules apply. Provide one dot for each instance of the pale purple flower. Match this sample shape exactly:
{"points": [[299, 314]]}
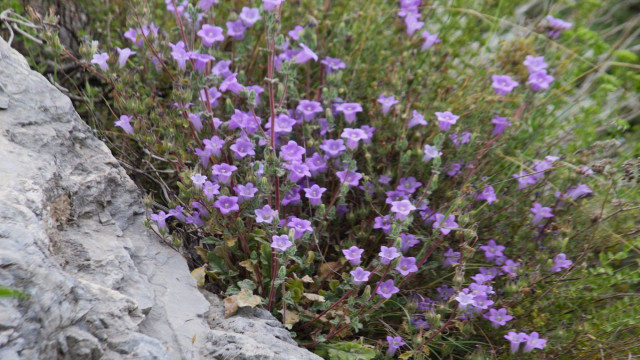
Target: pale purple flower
{"points": [[249, 16], [349, 110], [125, 123], [333, 148], [123, 55], [241, 148], [387, 289], [292, 197], [283, 124], [300, 227], [534, 63], [443, 224], [446, 119], [408, 241], [383, 223], [534, 342], [265, 215], [384, 179], [387, 102], [387, 254], [160, 219], [482, 302], [214, 95], [511, 267], [524, 180], [305, 55], [132, 35], [227, 204], [271, 5], [222, 69], [540, 212], [360, 276], [500, 123], [198, 180], [407, 265], [177, 213], [206, 4], [213, 145], [316, 164], [281, 242], [416, 119], [210, 189], [353, 255], [296, 32], [492, 250], [314, 194], [412, 20], [201, 60], [451, 257], [394, 341], [454, 169], [181, 56], [488, 194], [309, 109], [430, 152], [194, 219], [503, 84], [408, 7], [465, 299], [349, 177], [236, 29], [101, 61], [292, 151], [408, 185], [402, 208], [332, 64], [353, 136], [560, 262], [515, 339], [297, 171], [223, 172], [246, 192], [196, 121], [429, 40], [231, 84], [558, 26], [210, 34], [539, 80], [578, 191]]}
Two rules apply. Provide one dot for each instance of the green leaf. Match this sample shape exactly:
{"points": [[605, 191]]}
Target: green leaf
{"points": [[346, 351]]}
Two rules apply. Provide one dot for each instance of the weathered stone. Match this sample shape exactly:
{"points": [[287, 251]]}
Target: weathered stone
{"points": [[72, 239]]}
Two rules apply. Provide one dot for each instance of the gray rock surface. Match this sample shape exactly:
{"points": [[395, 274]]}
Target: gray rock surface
{"points": [[71, 238]]}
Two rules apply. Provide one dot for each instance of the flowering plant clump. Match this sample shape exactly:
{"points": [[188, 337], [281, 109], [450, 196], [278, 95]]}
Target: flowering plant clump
{"points": [[402, 201]]}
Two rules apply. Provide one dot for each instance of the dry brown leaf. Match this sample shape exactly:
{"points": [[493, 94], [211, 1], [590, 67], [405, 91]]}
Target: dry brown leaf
{"points": [[327, 268], [291, 317], [246, 298], [307, 279], [314, 297], [202, 252], [230, 306]]}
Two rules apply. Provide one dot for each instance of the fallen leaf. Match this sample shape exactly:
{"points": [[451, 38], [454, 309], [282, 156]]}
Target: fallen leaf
{"points": [[199, 274], [314, 297], [247, 264], [291, 317], [246, 298], [327, 268], [230, 306], [193, 339], [202, 252], [307, 279]]}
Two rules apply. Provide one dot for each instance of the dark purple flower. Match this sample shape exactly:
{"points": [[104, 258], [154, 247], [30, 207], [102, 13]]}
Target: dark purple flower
{"points": [[578, 191], [160, 218], [445, 224], [396, 341], [384, 179], [227, 204], [292, 197], [297, 171], [213, 95], [408, 185], [492, 250], [408, 241], [383, 223], [454, 169], [195, 219], [316, 164]]}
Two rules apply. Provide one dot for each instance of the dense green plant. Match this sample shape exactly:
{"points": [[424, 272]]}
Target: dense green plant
{"points": [[543, 207]]}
